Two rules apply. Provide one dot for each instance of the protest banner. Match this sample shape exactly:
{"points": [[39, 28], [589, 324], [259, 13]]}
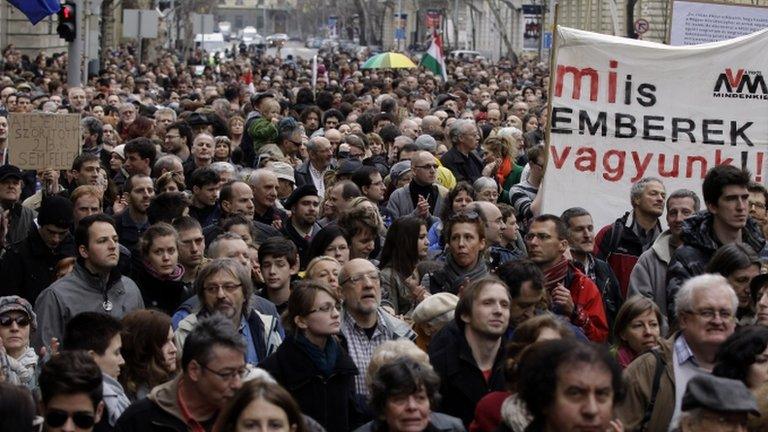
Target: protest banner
{"points": [[43, 141], [696, 22], [624, 109]]}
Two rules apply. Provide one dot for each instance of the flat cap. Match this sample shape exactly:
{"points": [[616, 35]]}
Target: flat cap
{"points": [[718, 394]]}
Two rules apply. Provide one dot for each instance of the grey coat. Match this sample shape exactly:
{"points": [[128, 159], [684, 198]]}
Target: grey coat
{"points": [[401, 205], [649, 276], [82, 291]]}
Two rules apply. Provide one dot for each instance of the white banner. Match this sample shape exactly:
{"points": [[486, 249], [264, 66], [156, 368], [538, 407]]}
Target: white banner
{"points": [[625, 109]]}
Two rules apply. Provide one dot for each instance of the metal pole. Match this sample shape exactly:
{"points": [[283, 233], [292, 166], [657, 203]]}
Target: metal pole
{"points": [[87, 37], [399, 21], [138, 36], [75, 49], [456, 24]]}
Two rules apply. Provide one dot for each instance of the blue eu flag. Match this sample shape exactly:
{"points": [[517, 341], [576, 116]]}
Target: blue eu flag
{"points": [[36, 10]]}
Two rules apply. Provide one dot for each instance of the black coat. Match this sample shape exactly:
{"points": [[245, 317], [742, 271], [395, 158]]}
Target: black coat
{"points": [[465, 168], [146, 416], [462, 383], [329, 400], [164, 295], [29, 266]]}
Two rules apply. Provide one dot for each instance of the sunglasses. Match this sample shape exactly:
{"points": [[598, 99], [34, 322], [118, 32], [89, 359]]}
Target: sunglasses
{"points": [[81, 419], [7, 321]]}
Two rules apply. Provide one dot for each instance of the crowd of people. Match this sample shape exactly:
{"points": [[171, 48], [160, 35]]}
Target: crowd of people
{"points": [[242, 247]]}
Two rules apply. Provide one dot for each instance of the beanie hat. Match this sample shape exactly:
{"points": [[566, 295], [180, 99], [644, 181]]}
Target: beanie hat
{"points": [[55, 210]]}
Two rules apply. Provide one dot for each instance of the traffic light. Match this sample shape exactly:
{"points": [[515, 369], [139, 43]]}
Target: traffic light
{"points": [[67, 28]]}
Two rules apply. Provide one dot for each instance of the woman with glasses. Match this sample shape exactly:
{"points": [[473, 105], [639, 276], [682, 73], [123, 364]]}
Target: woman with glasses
{"points": [[311, 363], [406, 244], [330, 241], [236, 126], [465, 259], [18, 360], [739, 264]]}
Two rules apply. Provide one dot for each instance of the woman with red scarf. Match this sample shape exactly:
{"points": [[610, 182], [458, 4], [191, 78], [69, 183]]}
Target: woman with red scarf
{"points": [[499, 154]]}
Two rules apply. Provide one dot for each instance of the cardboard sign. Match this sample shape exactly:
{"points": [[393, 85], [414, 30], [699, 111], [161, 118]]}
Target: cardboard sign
{"points": [[625, 109], [44, 141]]}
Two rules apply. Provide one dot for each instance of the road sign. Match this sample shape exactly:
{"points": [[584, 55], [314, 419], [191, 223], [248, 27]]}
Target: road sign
{"points": [[140, 23], [202, 23], [641, 26], [547, 40]]}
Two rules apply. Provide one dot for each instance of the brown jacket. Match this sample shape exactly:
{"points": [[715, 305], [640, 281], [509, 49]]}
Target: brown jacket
{"points": [[639, 379]]}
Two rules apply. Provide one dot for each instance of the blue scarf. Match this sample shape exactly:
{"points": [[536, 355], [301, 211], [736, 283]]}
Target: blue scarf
{"points": [[324, 359]]}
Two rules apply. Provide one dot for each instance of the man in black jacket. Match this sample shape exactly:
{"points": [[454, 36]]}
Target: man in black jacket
{"points": [[468, 353], [213, 367], [29, 266]]}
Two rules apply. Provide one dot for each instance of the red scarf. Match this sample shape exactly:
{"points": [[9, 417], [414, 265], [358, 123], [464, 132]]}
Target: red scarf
{"points": [[555, 274], [192, 424], [505, 167]]}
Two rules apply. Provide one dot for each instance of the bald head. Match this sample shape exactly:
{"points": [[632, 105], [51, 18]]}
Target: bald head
{"points": [[424, 167]]}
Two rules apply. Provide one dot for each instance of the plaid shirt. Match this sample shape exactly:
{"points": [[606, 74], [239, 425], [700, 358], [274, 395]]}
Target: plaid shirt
{"points": [[361, 348]]}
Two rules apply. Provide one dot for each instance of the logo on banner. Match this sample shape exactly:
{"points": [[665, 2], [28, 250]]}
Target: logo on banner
{"points": [[741, 84]]}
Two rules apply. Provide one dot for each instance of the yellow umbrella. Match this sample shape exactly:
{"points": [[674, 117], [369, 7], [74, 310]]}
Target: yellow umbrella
{"points": [[389, 60]]}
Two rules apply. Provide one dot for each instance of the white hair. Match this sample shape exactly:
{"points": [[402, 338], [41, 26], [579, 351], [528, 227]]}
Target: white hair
{"points": [[705, 282]]}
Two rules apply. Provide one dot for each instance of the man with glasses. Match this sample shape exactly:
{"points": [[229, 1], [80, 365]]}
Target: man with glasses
{"points": [[213, 368], [71, 390], [422, 197], [758, 200], [573, 295], [462, 159], [364, 324], [706, 309], [224, 287]]}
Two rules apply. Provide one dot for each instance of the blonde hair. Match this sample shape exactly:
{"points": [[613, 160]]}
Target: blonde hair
{"points": [[315, 261], [392, 350]]}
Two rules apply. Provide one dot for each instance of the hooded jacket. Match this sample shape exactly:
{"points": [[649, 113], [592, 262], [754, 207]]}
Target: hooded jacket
{"points": [[158, 412], [82, 291], [699, 244]]}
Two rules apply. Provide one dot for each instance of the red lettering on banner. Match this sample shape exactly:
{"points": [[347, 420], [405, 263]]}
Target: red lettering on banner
{"points": [[720, 161], [702, 164], [674, 171], [586, 160], [614, 174], [559, 161], [615, 163], [734, 80], [640, 166], [577, 75]]}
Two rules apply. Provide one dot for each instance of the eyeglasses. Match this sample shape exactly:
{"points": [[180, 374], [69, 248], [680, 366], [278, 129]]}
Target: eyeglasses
{"points": [[228, 375], [356, 279], [427, 167], [710, 314], [7, 321], [540, 236], [326, 308], [81, 419], [756, 204], [228, 288]]}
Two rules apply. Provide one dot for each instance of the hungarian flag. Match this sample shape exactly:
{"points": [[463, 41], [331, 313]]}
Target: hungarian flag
{"points": [[433, 59]]}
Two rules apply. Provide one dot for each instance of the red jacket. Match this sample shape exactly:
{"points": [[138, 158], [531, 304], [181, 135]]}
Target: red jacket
{"points": [[589, 313]]}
